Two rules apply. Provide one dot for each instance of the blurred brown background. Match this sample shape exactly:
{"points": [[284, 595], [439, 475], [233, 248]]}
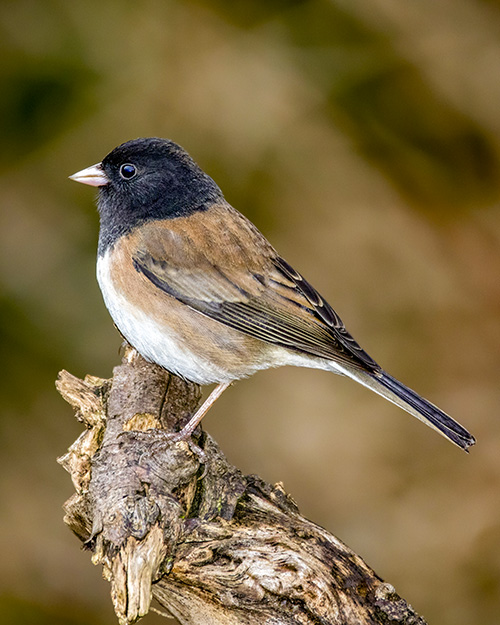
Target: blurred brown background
{"points": [[363, 138]]}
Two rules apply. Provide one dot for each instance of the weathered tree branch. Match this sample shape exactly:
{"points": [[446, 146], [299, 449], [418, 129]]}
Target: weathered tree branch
{"points": [[179, 523]]}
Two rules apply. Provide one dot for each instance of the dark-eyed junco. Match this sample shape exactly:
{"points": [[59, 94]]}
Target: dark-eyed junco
{"points": [[196, 288]]}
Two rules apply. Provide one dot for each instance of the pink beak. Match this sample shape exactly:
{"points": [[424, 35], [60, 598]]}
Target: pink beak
{"points": [[94, 176]]}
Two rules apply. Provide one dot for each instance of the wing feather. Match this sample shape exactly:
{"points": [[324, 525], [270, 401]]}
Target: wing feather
{"points": [[267, 299]]}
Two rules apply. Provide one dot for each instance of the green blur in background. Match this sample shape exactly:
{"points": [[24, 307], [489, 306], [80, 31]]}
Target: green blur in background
{"points": [[363, 139]]}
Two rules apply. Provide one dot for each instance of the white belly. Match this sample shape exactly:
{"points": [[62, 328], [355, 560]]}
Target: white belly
{"points": [[158, 344]]}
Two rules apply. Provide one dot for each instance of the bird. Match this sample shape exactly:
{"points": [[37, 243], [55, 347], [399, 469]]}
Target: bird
{"points": [[195, 287]]}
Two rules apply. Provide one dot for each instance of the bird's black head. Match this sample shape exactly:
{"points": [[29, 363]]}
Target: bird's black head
{"points": [[149, 179]]}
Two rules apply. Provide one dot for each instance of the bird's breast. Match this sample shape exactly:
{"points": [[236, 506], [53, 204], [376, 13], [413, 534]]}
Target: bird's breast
{"points": [[169, 333]]}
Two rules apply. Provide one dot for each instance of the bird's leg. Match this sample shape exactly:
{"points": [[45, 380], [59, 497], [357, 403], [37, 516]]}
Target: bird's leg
{"points": [[193, 423]]}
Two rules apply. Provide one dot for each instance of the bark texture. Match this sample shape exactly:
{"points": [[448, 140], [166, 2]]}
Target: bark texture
{"points": [[177, 522]]}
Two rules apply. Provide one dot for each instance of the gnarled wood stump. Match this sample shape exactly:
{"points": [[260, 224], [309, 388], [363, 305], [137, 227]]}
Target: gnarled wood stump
{"points": [[176, 521]]}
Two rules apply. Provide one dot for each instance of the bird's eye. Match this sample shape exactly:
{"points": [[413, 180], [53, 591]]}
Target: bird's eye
{"points": [[128, 171]]}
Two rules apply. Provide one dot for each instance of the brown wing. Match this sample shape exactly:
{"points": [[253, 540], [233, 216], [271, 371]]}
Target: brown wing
{"points": [[236, 278]]}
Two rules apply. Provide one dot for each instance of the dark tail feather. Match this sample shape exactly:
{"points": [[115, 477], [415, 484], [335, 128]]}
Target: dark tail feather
{"points": [[429, 413], [399, 394]]}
